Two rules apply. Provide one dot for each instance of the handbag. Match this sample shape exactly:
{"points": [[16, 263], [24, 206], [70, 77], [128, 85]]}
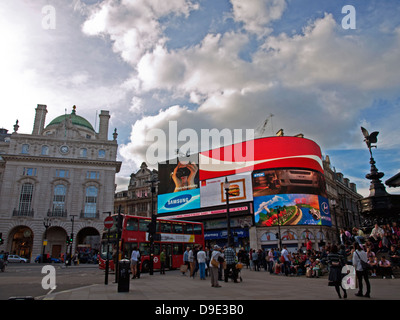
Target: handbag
{"points": [[214, 263], [364, 265], [183, 268]]}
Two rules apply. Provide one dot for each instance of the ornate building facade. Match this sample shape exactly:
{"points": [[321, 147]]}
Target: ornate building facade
{"points": [[137, 200], [56, 183]]}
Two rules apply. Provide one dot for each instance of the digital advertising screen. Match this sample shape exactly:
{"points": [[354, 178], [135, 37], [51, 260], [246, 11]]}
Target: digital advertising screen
{"points": [[290, 196], [291, 210], [179, 187], [212, 191], [262, 153]]}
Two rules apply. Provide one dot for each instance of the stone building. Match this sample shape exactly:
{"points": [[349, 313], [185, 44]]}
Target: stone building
{"points": [[137, 199], [59, 179]]}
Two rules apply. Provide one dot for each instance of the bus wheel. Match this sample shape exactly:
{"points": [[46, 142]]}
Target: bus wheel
{"points": [[146, 266]]}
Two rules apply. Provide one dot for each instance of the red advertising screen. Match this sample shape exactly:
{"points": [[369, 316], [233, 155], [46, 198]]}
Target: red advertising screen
{"points": [[263, 153]]}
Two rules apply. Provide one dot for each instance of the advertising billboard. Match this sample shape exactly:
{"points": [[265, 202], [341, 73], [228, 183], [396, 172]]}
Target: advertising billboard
{"points": [[290, 196], [263, 153], [291, 209], [212, 192], [179, 187]]}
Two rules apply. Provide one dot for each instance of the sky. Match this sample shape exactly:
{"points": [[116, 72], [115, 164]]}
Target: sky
{"points": [[318, 67]]}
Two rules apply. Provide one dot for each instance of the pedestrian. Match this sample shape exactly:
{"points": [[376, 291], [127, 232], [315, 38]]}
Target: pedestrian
{"points": [[191, 262], [361, 272], [285, 260], [254, 257], [208, 257], [270, 260], [214, 264], [201, 259], [163, 258], [186, 260], [336, 262], [135, 256], [230, 257]]}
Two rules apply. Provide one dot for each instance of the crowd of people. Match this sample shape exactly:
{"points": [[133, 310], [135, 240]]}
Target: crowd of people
{"points": [[380, 249]]}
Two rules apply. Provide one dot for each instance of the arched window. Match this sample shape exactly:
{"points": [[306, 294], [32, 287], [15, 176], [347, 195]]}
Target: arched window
{"points": [[60, 191], [91, 202], [268, 236], [25, 200]]}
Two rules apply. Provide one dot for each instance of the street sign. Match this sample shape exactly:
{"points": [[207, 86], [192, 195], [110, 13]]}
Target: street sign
{"points": [[108, 222]]}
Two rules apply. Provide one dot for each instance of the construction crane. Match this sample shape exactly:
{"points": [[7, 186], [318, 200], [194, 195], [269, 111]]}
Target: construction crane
{"points": [[260, 130]]}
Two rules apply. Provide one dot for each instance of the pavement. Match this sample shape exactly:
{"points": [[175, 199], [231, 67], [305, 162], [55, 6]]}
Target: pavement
{"points": [[255, 286]]}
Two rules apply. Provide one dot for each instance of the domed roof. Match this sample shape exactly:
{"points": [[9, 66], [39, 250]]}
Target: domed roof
{"points": [[76, 120]]}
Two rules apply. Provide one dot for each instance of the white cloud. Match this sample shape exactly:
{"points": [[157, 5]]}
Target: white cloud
{"points": [[256, 15]]}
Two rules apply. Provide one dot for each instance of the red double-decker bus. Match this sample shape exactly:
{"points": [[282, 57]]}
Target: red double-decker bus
{"points": [[175, 237]]}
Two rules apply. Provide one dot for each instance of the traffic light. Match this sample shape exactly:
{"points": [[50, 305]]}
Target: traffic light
{"points": [[67, 240], [71, 238], [1, 238]]}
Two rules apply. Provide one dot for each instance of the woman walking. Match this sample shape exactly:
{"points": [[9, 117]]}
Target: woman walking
{"points": [[336, 263]]}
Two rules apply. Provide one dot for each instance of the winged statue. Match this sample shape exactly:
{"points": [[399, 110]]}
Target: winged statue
{"points": [[370, 138]]}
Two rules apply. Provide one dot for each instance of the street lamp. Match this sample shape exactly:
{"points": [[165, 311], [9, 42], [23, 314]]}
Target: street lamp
{"points": [[47, 224], [152, 228], [334, 205], [226, 187], [71, 239], [279, 228]]}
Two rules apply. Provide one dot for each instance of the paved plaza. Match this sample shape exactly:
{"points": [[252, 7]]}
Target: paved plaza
{"points": [[255, 286]]}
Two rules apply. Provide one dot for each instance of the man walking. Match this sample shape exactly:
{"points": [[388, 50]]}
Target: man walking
{"points": [[230, 257]]}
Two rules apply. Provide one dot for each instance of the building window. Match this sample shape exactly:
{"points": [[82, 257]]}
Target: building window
{"points": [[25, 199], [61, 173], [25, 149], [60, 192], [45, 151], [83, 153], [31, 172], [92, 175], [91, 202], [102, 153]]}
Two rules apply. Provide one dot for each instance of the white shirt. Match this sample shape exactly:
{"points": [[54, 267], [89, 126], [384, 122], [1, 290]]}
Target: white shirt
{"points": [[135, 255], [215, 254], [285, 254], [201, 256], [356, 259]]}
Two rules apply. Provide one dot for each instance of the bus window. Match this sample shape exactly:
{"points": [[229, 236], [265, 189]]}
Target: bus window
{"points": [[188, 229], [143, 224], [177, 248], [132, 224], [144, 249], [156, 249], [166, 227], [128, 248], [177, 228], [197, 229]]}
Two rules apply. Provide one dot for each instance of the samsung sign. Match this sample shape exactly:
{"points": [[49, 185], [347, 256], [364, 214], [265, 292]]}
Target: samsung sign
{"points": [[177, 201]]}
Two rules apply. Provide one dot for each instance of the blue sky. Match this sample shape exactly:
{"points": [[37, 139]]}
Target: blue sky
{"points": [[211, 64]]}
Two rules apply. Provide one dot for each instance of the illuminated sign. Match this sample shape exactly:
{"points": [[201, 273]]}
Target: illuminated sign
{"points": [[178, 201], [263, 153]]}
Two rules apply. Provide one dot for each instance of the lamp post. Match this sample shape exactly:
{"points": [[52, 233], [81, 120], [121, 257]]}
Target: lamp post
{"points": [[152, 227], [47, 224], [72, 239], [279, 229], [226, 187], [334, 205]]}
